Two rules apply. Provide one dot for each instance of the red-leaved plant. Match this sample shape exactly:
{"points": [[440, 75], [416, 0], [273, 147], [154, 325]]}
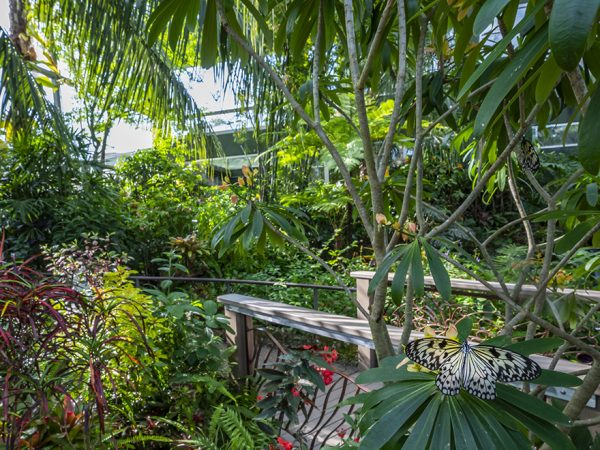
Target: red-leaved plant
{"points": [[58, 349], [35, 324]]}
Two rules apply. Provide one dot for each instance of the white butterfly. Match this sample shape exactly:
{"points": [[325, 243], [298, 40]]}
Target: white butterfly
{"points": [[475, 368]]}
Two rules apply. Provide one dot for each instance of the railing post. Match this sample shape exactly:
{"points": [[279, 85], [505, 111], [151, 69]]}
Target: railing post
{"points": [[243, 338], [315, 298], [367, 357]]}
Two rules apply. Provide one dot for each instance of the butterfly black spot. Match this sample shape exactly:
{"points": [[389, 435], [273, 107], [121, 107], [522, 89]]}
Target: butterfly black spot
{"points": [[494, 352], [509, 356], [442, 344], [430, 344]]}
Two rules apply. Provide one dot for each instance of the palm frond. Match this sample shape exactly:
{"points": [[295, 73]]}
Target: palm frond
{"points": [[117, 66], [21, 98]]}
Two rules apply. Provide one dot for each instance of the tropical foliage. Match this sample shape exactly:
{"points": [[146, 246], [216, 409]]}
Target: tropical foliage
{"points": [[423, 119]]}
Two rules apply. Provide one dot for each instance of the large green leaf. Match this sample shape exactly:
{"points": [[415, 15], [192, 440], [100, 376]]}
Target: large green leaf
{"points": [[497, 432], [388, 374], [544, 430], [417, 275], [386, 427], [555, 378], [522, 27], [464, 327], [463, 436], [542, 345], [588, 151], [438, 271], [384, 268], [442, 430], [400, 275], [550, 73], [512, 73], [482, 433], [489, 10], [418, 440], [532, 405], [571, 22], [568, 241]]}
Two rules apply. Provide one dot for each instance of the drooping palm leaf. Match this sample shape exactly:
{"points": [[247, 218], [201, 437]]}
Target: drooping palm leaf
{"points": [[21, 98], [117, 66]]}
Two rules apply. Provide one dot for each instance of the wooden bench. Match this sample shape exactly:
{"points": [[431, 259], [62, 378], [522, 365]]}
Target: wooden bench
{"points": [[241, 309], [474, 288]]}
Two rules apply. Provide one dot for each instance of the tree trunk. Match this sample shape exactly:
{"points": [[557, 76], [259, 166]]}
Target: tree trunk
{"points": [[18, 29]]}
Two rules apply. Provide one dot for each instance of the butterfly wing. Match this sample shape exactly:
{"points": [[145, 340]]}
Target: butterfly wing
{"points": [[528, 157], [448, 380], [507, 365], [479, 376], [432, 352]]}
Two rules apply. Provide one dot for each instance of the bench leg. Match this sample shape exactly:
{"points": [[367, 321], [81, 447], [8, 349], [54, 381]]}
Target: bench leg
{"points": [[367, 358], [243, 338]]}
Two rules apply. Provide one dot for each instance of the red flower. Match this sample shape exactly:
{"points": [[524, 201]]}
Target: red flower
{"points": [[356, 439], [295, 392], [342, 433], [283, 444], [259, 397], [307, 347]]}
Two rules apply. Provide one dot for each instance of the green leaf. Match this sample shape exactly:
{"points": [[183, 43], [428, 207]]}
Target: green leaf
{"points": [[550, 73], [545, 431], [542, 345], [159, 18], [386, 427], [442, 430], [389, 374], [498, 341], [523, 26], [464, 327], [555, 378], [384, 268], [427, 419], [209, 48], [563, 214], [568, 241], [532, 405], [588, 152], [400, 276], [482, 433], [176, 26], [571, 22], [591, 194], [438, 271], [512, 73], [417, 274], [210, 307], [497, 430], [489, 10], [463, 437]]}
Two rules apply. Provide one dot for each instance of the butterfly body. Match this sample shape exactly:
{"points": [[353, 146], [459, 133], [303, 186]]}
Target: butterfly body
{"points": [[475, 368]]}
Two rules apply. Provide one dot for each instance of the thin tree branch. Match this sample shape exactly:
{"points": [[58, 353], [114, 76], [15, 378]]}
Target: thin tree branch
{"points": [[531, 316], [417, 153], [278, 81], [342, 113], [388, 142], [316, 64], [485, 177], [363, 124], [374, 47]]}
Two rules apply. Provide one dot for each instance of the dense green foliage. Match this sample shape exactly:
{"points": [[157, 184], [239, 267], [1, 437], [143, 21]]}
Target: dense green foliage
{"points": [[401, 138]]}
